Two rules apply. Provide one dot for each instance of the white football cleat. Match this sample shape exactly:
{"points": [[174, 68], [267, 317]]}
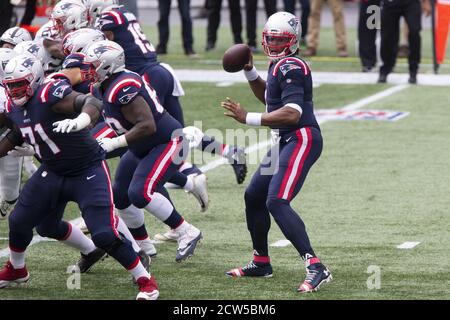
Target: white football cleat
{"points": [[148, 289], [147, 246], [200, 190], [170, 235], [188, 238]]}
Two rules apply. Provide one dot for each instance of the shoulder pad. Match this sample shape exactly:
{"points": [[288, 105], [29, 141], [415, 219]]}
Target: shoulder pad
{"points": [[291, 63], [54, 90], [124, 90]]}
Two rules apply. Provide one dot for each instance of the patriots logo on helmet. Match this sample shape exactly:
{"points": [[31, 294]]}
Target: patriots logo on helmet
{"points": [[66, 6], [33, 49], [28, 62], [127, 97], [293, 23], [100, 50]]}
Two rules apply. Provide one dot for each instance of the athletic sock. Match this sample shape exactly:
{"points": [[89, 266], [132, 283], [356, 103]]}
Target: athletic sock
{"points": [[137, 270], [122, 228], [17, 259], [77, 239]]}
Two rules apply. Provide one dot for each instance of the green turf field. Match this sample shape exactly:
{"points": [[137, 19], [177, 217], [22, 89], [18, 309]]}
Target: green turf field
{"points": [[376, 185]]}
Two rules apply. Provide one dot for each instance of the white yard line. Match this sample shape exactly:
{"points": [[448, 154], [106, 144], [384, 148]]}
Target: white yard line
{"points": [[281, 243], [408, 245], [264, 144]]}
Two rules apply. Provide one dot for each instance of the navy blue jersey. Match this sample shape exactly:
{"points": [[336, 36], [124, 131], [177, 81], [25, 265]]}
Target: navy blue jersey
{"points": [[122, 90], [128, 33], [66, 154], [83, 87], [289, 82]]}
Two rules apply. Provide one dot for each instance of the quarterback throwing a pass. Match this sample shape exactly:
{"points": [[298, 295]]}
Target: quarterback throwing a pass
{"points": [[287, 94]]}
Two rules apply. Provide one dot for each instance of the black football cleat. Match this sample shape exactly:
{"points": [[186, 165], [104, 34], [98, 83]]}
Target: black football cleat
{"points": [[88, 260], [316, 274], [252, 270], [382, 78], [239, 164], [412, 78]]}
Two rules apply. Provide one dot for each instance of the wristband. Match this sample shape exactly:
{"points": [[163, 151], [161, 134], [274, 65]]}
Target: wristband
{"points": [[251, 75], [82, 121], [121, 141], [253, 119]]}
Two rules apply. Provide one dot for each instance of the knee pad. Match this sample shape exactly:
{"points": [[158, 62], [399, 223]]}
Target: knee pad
{"points": [[136, 196], [107, 240], [252, 200], [274, 205], [121, 200], [53, 230]]}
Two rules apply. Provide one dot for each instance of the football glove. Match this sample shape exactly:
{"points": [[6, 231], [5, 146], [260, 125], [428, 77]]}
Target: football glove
{"points": [[110, 144], [72, 125]]}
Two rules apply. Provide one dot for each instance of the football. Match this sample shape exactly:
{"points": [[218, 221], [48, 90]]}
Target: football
{"points": [[236, 57]]}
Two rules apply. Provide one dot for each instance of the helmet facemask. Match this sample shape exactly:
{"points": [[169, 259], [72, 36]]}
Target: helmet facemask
{"points": [[277, 46], [19, 90], [280, 37]]}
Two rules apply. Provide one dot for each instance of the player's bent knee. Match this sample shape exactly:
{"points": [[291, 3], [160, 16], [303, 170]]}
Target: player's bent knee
{"points": [[106, 239], [137, 196], [121, 200], [252, 199], [58, 231], [275, 204]]}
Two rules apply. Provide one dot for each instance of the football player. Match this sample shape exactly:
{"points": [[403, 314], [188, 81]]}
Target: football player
{"points": [[131, 108], [287, 94], [133, 217], [10, 39], [78, 73], [121, 26], [10, 166], [73, 169], [66, 16]]}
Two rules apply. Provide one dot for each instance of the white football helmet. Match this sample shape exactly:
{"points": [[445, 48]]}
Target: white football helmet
{"points": [[6, 54], [77, 40], [37, 50], [15, 35], [96, 8], [280, 37], [69, 15], [107, 57], [23, 75]]}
